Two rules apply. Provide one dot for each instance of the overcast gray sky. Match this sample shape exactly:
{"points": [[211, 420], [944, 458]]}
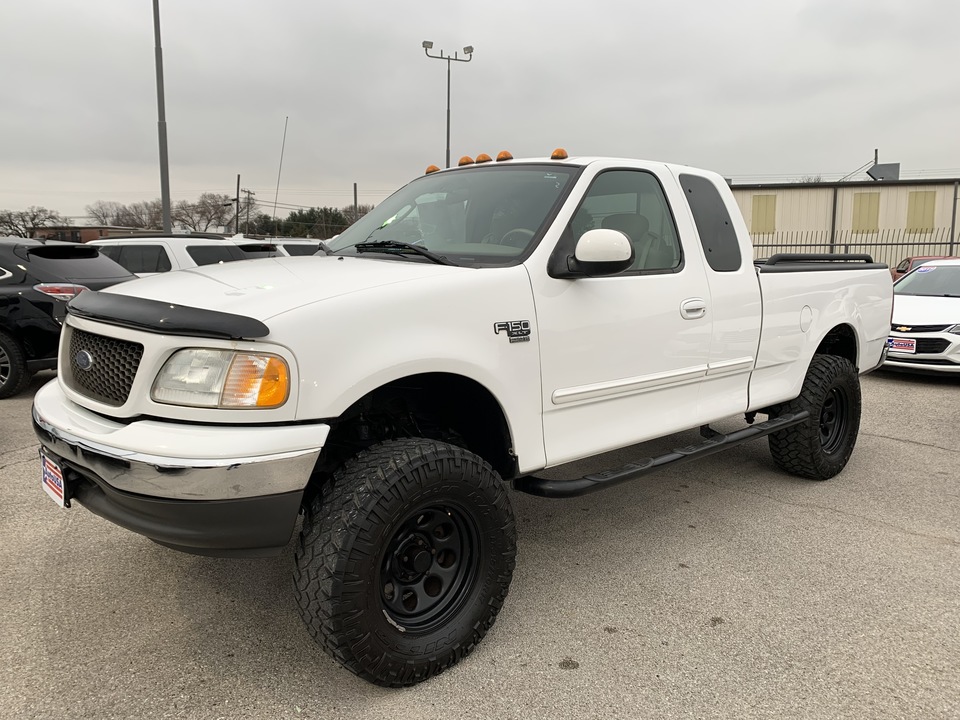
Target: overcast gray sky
{"points": [[750, 88]]}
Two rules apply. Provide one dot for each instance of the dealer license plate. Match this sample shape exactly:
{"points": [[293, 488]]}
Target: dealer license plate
{"points": [[51, 478], [902, 345]]}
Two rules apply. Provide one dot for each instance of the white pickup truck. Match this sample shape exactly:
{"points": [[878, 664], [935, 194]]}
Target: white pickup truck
{"points": [[481, 325]]}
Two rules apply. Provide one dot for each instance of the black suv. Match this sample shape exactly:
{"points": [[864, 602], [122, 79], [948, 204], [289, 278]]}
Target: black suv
{"points": [[37, 279]]}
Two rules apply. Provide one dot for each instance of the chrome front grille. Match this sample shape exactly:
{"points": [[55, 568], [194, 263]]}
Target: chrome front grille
{"points": [[102, 368]]}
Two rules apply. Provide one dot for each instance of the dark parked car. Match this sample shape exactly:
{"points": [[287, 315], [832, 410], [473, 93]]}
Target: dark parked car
{"points": [[37, 279]]}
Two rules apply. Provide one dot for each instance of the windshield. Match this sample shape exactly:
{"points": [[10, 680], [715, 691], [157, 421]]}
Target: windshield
{"points": [[931, 280], [476, 217]]}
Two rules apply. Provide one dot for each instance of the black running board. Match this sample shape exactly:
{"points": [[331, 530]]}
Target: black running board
{"points": [[715, 443]]}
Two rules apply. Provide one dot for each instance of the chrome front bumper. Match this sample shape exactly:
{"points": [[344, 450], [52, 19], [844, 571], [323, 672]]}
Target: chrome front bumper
{"points": [[223, 462]]}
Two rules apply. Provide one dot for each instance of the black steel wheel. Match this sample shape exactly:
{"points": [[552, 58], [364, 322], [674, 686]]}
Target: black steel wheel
{"points": [[13, 367], [428, 567], [405, 559], [834, 416], [821, 447]]}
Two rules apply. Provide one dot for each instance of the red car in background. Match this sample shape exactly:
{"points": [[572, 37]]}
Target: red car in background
{"points": [[909, 263]]}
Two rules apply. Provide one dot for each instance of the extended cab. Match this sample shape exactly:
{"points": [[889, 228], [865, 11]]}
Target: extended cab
{"points": [[482, 324]]}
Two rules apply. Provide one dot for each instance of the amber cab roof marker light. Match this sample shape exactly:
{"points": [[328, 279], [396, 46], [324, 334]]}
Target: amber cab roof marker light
{"points": [[504, 155], [465, 160], [483, 158], [559, 154], [431, 169]]}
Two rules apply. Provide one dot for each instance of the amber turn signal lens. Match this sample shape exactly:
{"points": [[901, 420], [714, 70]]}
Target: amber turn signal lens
{"points": [[432, 169], [483, 157], [465, 160], [504, 155], [559, 154], [261, 381]]}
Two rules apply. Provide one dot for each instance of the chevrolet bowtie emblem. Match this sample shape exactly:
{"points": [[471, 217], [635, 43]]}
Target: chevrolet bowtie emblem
{"points": [[904, 328]]}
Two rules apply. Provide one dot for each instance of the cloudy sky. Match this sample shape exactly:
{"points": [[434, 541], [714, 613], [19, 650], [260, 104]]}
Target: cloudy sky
{"points": [[754, 89]]}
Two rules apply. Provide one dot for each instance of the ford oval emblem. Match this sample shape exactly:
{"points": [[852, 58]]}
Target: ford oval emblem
{"points": [[84, 360]]}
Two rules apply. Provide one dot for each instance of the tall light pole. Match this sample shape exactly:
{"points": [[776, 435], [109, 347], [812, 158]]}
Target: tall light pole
{"points": [[468, 51], [162, 124]]}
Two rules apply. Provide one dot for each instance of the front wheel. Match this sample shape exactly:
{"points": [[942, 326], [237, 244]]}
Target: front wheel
{"points": [[405, 559], [820, 447]]}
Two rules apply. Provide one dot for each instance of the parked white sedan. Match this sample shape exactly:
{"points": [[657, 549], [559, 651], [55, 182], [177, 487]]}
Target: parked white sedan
{"points": [[925, 332]]}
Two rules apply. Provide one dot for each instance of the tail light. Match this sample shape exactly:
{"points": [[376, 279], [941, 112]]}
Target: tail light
{"points": [[60, 291]]}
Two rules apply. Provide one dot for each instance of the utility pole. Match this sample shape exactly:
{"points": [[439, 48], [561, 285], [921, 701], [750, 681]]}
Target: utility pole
{"points": [[246, 230], [162, 125], [356, 208], [236, 225]]}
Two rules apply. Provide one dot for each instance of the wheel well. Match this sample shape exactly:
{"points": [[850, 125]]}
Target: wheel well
{"points": [[842, 342], [440, 406]]}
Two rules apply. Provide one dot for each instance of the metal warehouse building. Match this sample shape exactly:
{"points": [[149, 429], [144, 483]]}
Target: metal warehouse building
{"points": [[888, 219]]}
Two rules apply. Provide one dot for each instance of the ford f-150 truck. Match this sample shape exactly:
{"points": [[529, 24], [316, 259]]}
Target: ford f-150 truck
{"points": [[481, 325]]}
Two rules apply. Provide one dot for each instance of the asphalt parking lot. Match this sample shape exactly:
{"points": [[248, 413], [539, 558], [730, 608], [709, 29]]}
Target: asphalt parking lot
{"points": [[724, 589]]}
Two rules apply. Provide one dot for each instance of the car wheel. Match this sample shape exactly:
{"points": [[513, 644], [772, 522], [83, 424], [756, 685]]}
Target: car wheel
{"points": [[13, 367], [405, 559], [820, 447]]}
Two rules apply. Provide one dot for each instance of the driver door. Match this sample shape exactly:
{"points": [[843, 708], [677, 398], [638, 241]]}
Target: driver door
{"points": [[623, 356]]}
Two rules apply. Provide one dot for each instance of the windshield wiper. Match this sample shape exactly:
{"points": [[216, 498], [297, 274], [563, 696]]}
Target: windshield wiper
{"points": [[396, 247]]}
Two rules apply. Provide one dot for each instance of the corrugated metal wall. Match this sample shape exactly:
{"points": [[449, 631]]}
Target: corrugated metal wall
{"points": [[888, 220]]}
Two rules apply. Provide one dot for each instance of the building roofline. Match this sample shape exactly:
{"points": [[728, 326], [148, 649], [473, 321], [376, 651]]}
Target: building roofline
{"points": [[843, 184]]}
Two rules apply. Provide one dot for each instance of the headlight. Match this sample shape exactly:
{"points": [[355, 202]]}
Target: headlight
{"points": [[955, 329], [223, 379]]}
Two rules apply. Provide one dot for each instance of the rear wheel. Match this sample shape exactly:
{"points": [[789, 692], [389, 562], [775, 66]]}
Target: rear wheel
{"points": [[820, 447], [405, 559], [13, 367]]}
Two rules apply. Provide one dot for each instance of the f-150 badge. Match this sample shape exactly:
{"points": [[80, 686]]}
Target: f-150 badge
{"points": [[516, 330]]}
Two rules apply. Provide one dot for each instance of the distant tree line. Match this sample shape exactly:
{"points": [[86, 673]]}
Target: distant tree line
{"points": [[211, 212], [19, 222]]}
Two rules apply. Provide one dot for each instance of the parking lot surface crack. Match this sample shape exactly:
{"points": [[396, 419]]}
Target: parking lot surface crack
{"points": [[892, 526], [911, 442], [8, 459]]}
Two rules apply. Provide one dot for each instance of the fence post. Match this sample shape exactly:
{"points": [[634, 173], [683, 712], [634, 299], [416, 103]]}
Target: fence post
{"points": [[833, 221], [953, 218]]}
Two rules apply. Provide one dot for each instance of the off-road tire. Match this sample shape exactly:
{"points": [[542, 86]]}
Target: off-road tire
{"points": [[14, 375], [820, 447], [444, 505]]}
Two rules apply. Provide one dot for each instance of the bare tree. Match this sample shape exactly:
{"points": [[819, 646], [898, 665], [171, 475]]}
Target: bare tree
{"points": [[19, 222], [210, 211], [105, 212], [352, 216], [144, 214]]}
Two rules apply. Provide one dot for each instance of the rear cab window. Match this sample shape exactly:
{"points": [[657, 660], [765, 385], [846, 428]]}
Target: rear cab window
{"points": [[721, 247]]}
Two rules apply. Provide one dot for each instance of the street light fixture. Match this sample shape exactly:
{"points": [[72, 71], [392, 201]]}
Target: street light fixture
{"points": [[468, 51]]}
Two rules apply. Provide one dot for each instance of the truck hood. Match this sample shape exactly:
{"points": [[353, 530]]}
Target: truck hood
{"points": [[265, 288], [925, 310]]}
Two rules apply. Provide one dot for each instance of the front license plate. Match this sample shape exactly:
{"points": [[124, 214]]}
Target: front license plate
{"points": [[51, 477], [902, 345]]}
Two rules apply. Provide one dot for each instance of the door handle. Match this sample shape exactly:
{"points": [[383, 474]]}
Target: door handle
{"points": [[693, 308]]}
